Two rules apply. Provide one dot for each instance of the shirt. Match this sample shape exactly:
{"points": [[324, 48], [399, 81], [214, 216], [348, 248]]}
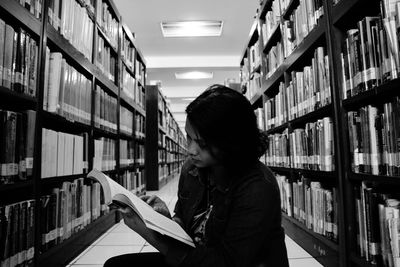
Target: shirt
{"points": [[244, 226]]}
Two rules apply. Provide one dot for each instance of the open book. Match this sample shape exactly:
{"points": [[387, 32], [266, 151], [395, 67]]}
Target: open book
{"points": [[113, 192]]}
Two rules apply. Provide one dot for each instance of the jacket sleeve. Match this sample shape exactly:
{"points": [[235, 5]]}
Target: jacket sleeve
{"points": [[178, 206], [253, 215]]}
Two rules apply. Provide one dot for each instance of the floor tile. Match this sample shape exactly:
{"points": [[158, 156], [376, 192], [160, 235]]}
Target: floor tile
{"points": [[122, 239], [294, 250], [306, 262], [99, 254]]}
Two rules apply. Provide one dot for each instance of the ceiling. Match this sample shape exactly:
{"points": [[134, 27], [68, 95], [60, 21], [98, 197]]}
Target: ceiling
{"points": [[165, 56]]}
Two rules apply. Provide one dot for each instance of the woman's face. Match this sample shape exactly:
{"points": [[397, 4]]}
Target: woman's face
{"points": [[198, 151]]}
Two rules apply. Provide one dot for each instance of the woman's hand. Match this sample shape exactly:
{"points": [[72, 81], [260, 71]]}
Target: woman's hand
{"points": [[157, 204], [133, 221]]}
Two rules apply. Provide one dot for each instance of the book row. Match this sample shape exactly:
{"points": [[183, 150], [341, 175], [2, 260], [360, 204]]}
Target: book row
{"points": [[303, 19], [105, 113], [273, 59], [140, 72], [66, 91], [33, 6], [106, 59], [140, 125], [374, 133], [271, 21], [370, 52], [19, 54], [131, 87], [134, 181], [254, 58], [107, 22], [126, 153], [17, 134], [17, 233], [69, 209], [72, 20], [63, 153], [126, 121], [309, 148], [128, 52], [104, 154], [311, 204], [377, 226], [139, 153]]}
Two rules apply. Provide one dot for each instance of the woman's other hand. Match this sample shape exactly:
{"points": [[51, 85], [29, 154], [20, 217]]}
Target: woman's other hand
{"points": [[157, 204]]}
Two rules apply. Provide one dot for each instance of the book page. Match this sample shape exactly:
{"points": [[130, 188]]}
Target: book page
{"points": [[152, 219]]}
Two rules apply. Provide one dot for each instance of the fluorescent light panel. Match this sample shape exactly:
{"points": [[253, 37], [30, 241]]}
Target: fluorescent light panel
{"points": [[192, 28], [193, 75]]}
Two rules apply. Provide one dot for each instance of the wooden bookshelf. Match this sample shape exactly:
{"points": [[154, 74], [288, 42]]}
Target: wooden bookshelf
{"points": [[159, 117], [34, 188]]}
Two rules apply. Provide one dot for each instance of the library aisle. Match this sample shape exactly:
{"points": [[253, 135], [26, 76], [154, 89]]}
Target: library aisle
{"points": [[120, 240]]}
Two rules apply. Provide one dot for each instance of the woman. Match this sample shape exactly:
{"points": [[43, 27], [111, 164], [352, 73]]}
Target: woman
{"points": [[227, 200]]}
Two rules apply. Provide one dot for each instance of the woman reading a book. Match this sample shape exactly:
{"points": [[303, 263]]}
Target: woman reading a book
{"points": [[228, 201]]}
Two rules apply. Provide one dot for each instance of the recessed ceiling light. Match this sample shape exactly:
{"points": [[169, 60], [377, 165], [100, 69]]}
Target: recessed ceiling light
{"points": [[193, 75], [192, 28]]}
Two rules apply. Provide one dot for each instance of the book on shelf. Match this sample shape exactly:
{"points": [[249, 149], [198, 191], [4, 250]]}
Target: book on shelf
{"points": [[33, 6], [17, 131], [105, 114], [370, 52], [377, 226], [17, 233], [278, 152], [373, 134], [63, 153], [18, 60], [273, 59], [312, 147], [271, 21], [106, 59], [126, 121], [311, 204], [107, 22], [72, 20], [113, 192], [66, 91], [140, 125], [128, 51], [68, 209], [139, 150], [104, 154], [129, 85], [126, 152], [134, 181]]}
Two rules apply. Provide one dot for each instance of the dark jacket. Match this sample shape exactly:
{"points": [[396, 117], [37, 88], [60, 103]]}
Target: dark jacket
{"points": [[244, 228]]}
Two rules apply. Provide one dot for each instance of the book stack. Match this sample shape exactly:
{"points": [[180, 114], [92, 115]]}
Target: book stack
{"points": [[311, 204], [33, 6], [104, 154], [126, 121], [106, 59], [373, 135], [126, 153], [312, 147], [129, 85], [272, 20], [133, 181], [140, 71], [105, 114], [255, 56], [63, 153], [260, 118], [310, 89], [370, 52], [17, 133], [69, 209], [277, 153], [66, 91], [17, 233], [107, 22], [71, 19], [301, 22], [139, 153], [276, 108], [19, 54], [140, 126], [128, 52], [377, 225], [273, 59]]}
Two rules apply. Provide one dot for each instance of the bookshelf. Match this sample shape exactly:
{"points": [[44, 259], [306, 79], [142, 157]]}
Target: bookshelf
{"points": [[69, 64], [166, 146], [357, 66]]}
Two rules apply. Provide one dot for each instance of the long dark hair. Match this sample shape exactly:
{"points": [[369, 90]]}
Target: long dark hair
{"points": [[225, 119]]}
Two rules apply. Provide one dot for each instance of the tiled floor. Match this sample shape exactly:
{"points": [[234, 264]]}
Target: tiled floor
{"points": [[121, 240]]}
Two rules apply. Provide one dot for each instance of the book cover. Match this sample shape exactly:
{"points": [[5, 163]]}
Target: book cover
{"points": [[152, 219]]}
